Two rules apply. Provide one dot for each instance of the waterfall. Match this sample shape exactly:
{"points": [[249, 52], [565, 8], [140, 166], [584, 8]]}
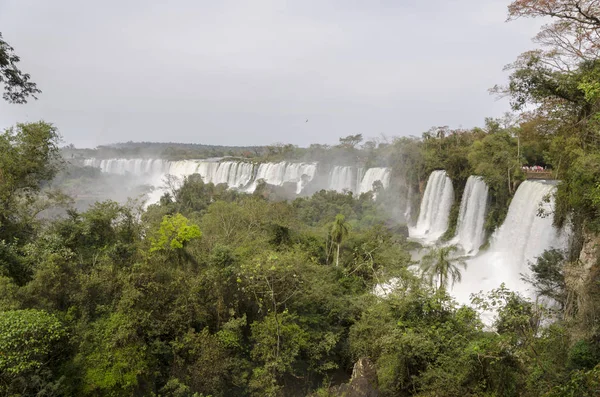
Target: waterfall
{"points": [[435, 208], [523, 236], [244, 175], [343, 178], [236, 174], [294, 172], [138, 167], [282, 172], [471, 219], [371, 176]]}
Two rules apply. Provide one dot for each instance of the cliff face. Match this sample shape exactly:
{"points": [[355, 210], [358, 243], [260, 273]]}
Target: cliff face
{"points": [[581, 279]]}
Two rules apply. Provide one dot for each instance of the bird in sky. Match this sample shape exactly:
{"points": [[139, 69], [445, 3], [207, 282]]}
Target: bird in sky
{"points": [[306, 121]]}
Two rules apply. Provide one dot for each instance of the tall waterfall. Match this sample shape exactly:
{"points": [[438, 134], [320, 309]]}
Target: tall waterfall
{"points": [[471, 218], [371, 176], [435, 208], [523, 236]]}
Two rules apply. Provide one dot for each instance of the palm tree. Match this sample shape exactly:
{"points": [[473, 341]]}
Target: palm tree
{"points": [[338, 232], [439, 263]]}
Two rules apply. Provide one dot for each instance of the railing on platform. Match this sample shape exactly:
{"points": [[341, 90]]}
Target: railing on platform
{"points": [[546, 174]]}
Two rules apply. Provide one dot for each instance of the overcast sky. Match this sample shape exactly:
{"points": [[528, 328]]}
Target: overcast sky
{"points": [[251, 72]]}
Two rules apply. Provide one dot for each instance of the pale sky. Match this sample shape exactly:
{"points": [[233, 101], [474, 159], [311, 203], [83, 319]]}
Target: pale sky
{"points": [[251, 72]]}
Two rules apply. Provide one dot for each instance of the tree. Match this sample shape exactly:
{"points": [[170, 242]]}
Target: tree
{"points": [[351, 141], [574, 34], [30, 342], [112, 357], [278, 341], [439, 263], [30, 156], [29, 159], [338, 232], [17, 87], [548, 276], [174, 234]]}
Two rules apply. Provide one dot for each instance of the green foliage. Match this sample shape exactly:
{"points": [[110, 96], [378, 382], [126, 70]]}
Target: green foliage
{"points": [[278, 340], [338, 232], [30, 158], [495, 159], [17, 85], [548, 276], [579, 383], [28, 338], [112, 357], [174, 233], [439, 264], [580, 193]]}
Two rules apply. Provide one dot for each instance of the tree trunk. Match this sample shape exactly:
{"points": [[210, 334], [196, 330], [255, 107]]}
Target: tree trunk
{"points": [[337, 259], [276, 324]]}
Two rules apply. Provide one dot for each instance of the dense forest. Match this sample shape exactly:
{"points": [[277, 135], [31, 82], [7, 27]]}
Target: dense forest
{"points": [[213, 292]]}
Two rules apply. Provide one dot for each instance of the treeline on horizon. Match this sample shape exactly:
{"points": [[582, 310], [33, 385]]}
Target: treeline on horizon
{"points": [[276, 152]]}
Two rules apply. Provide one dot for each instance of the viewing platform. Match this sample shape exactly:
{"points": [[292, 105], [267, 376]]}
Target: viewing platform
{"points": [[546, 174]]}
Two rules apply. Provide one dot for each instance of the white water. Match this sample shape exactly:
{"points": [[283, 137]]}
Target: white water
{"points": [[435, 208], [282, 172], [235, 174], [343, 178], [522, 237], [470, 233], [243, 175], [371, 176]]}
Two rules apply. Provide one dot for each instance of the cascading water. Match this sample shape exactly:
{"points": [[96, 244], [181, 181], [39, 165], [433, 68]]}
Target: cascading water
{"points": [[295, 172], [343, 178], [242, 175], [236, 174], [282, 172], [138, 167], [523, 236], [371, 176], [470, 233], [435, 208]]}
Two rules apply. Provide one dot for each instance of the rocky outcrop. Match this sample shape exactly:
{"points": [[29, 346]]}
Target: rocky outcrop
{"points": [[581, 281], [363, 382]]}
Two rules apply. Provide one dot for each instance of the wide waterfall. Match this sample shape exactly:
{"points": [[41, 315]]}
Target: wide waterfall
{"points": [[435, 208], [235, 173], [470, 233], [525, 234], [371, 176], [243, 175], [126, 166]]}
